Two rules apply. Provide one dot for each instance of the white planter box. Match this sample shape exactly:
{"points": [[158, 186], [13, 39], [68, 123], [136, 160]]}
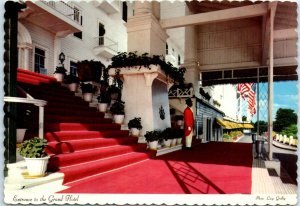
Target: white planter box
{"points": [[153, 145], [73, 87], [119, 118], [167, 142], [59, 77], [179, 140], [173, 142], [36, 166], [88, 97], [102, 107], [135, 132]]}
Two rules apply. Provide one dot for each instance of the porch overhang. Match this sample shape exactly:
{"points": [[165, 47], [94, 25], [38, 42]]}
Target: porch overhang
{"points": [[58, 20]]}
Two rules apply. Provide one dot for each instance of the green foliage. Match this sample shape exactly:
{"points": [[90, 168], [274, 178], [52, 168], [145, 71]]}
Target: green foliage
{"points": [[244, 118], [135, 123], [118, 107], [90, 70], [290, 131], [87, 88], [263, 126], [60, 70], [33, 148], [71, 79], [284, 118], [152, 136], [215, 102], [167, 133], [131, 59], [103, 98]]}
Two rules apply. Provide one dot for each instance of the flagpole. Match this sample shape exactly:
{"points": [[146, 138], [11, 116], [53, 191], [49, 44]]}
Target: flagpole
{"points": [[257, 88]]}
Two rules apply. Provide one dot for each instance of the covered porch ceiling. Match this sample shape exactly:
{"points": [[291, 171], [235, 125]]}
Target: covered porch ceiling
{"points": [[285, 22]]}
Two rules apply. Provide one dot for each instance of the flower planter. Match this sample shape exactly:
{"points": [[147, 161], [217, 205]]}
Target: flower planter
{"points": [[73, 87], [119, 118], [37, 166], [179, 140], [87, 97], [59, 77], [179, 122], [135, 132], [102, 107], [20, 135], [285, 139], [153, 145], [291, 140], [173, 142], [167, 143]]}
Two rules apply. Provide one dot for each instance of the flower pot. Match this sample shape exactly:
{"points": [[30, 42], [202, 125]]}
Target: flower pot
{"points": [[36, 166], [285, 139], [59, 77], [179, 122], [173, 142], [135, 132], [179, 140], [88, 97], [102, 107], [119, 118], [20, 135], [73, 87], [167, 142], [153, 145]]}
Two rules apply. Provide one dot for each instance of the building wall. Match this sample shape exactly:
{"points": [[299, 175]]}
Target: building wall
{"points": [[160, 98], [226, 95], [42, 39], [77, 49], [229, 44]]}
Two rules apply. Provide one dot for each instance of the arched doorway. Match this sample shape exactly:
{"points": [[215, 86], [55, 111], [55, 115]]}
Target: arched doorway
{"points": [[24, 47]]}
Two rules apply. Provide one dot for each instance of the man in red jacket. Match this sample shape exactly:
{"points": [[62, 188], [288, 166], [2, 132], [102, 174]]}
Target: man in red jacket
{"points": [[188, 123]]}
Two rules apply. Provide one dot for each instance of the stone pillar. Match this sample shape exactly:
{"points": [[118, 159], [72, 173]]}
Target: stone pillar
{"points": [[144, 31], [144, 93]]}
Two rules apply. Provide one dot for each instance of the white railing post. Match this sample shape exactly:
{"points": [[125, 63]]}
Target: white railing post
{"points": [[41, 122]]}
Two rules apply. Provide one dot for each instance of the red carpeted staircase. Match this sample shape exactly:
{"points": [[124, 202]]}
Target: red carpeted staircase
{"points": [[81, 141]]}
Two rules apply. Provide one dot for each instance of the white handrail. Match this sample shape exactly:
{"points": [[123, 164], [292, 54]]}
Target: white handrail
{"points": [[36, 102]]}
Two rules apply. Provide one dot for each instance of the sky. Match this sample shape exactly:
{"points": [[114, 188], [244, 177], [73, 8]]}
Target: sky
{"points": [[285, 96]]}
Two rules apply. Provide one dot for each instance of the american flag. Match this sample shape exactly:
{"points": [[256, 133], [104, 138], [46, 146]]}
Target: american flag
{"points": [[245, 90]]}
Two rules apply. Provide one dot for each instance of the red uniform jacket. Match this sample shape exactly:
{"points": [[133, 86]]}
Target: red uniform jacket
{"points": [[188, 121]]}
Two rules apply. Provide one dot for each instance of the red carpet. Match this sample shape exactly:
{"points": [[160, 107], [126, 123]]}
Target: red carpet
{"points": [[212, 168], [81, 142]]}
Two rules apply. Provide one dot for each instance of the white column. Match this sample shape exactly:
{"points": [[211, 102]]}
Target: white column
{"points": [[270, 79], [26, 58]]}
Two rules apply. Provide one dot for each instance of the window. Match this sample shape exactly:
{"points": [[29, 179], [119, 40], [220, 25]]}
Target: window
{"points": [[167, 49], [73, 68], [39, 60], [124, 14], [101, 34], [78, 35], [178, 59], [77, 16]]}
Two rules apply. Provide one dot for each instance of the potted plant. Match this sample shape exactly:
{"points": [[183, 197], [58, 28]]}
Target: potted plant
{"points": [[60, 73], [114, 92], [87, 91], [117, 109], [33, 151], [179, 120], [103, 101], [152, 137], [72, 81], [135, 126], [90, 70], [167, 136], [178, 134]]}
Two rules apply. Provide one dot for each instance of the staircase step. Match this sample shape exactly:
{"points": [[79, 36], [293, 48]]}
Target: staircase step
{"points": [[62, 111], [64, 160], [54, 90], [84, 144], [76, 119], [80, 126], [84, 170], [66, 99], [75, 135], [34, 74]]}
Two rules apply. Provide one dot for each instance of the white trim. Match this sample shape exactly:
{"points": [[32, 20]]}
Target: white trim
{"points": [[46, 61]]}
